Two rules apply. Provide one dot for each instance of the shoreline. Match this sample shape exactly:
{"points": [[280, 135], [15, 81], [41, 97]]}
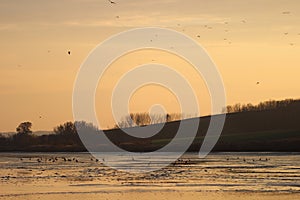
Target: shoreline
{"points": [[166, 195]]}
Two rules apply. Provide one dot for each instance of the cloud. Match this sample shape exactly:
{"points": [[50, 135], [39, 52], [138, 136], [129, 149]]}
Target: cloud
{"points": [[154, 19]]}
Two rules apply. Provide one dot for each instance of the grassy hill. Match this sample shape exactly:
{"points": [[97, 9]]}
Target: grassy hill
{"points": [[269, 126], [264, 130]]}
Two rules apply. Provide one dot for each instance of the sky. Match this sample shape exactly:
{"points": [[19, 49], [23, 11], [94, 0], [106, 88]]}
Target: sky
{"points": [[250, 41]]}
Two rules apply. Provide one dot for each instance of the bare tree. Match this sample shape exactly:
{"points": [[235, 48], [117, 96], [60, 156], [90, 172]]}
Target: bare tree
{"points": [[144, 119]]}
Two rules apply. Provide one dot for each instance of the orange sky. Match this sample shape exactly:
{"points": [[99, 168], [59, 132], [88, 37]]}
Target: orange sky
{"points": [[249, 40]]}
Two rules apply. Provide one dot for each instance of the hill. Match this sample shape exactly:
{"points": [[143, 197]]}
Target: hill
{"points": [[269, 126], [276, 129]]}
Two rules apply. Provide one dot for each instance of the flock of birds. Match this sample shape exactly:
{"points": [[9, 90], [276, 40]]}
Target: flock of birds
{"points": [[209, 27], [179, 161], [198, 36], [57, 159], [253, 160], [206, 26]]}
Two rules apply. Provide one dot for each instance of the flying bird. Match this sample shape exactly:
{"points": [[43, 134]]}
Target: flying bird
{"points": [[69, 52], [198, 36], [286, 33], [112, 2], [257, 83], [286, 12]]}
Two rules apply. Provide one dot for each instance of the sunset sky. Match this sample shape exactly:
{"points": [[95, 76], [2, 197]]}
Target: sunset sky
{"points": [[250, 41]]}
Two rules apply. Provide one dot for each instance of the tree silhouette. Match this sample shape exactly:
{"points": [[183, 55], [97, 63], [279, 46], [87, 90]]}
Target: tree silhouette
{"points": [[24, 128], [144, 119], [266, 105], [67, 128]]}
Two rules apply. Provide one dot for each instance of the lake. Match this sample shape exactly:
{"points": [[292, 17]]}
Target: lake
{"points": [[58, 175]]}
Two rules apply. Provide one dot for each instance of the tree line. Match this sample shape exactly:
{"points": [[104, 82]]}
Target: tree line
{"points": [[144, 119], [66, 136], [266, 105]]}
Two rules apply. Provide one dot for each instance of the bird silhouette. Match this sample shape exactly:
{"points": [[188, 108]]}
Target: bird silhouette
{"points": [[69, 52], [257, 83], [286, 12], [198, 36], [112, 2]]}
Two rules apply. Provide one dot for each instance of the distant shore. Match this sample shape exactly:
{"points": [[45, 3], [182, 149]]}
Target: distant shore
{"points": [[166, 195], [252, 131]]}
